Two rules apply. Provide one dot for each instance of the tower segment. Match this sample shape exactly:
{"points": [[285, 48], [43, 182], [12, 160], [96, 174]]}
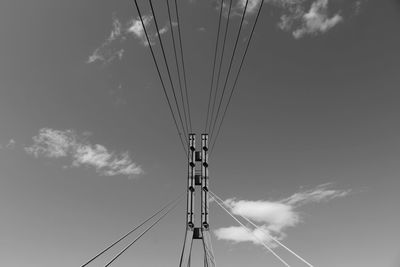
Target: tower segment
{"points": [[197, 181]]}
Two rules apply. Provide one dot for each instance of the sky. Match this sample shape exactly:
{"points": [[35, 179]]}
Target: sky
{"points": [[309, 149]]}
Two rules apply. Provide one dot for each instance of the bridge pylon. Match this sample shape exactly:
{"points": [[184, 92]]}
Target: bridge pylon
{"points": [[197, 180]]}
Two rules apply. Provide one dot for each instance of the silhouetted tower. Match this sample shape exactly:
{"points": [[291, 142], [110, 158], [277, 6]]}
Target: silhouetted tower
{"points": [[195, 180]]}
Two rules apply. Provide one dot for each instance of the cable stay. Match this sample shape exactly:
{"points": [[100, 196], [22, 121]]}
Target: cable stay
{"points": [[237, 75], [183, 64], [249, 230], [143, 233], [221, 60], [270, 236], [214, 63], [229, 68], [161, 79], [185, 131], [177, 65], [131, 231]]}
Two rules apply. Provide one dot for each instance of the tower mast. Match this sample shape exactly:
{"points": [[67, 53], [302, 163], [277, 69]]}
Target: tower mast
{"points": [[196, 180]]}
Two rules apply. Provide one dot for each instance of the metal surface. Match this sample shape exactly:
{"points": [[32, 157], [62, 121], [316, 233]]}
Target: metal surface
{"points": [[197, 179]]}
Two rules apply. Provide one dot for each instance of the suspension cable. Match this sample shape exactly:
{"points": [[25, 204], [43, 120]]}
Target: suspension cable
{"points": [[229, 68], [270, 236], [177, 65], [183, 64], [249, 230], [237, 75], [130, 232], [168, 70], [184, 244], [221, 60], [143, 233], [161, 79], [215, 59]]}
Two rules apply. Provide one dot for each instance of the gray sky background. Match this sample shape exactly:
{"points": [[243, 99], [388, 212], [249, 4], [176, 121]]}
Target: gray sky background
{"points": [[322, 108]]}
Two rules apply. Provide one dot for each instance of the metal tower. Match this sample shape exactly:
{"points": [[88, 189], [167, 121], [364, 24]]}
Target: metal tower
{"points": [[197, 179]]}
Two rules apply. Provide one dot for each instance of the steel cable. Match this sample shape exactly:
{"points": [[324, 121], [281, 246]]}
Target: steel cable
{"points": [[161, 79], [229, 68], [214, 63], [237, 76], [143, 233], [221, 60], [168, 69], [177, 65]]}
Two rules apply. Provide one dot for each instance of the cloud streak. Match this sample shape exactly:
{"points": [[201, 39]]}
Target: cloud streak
{"points": [[112, 47], [108, 52], [302, 17], [50, 143], [273, 216]]}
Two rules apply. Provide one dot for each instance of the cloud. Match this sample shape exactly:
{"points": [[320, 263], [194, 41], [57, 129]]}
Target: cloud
{"points": [[318, 194], [50, 143], [136, 28], [239, 234], [302, 17], [108, 52], [112, 47], [273, 216], [316, 20], [252, 5], [10, 145]]}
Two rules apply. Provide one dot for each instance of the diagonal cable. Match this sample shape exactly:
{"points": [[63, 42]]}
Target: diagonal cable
{"points": [[143, 233], [161, 79], [229, 68], [270, 236], [237, 75], [221, 60], [185, 131], [177, 65], [130, 232], [249, 230], [184, 244], [183, 64], [215, 61]]}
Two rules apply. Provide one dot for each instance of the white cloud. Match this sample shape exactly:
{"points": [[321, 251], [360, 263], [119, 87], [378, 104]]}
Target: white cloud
{"points": [[112, 47], [316, 20], [116, 31], [301, 22], [277, 215], [239, 234], [164, 30], [318, 194], [136, 28], [11, 144], [107, 52], [52, 143], [273, 216], [252, 5], [302, 17]]}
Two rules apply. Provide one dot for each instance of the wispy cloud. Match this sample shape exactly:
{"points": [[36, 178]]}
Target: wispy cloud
{"points": [[273, 216], [317, 20], [302, 17], [107, 51], [136, 28], [112, 47], [9, 145], [50, 143]]}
